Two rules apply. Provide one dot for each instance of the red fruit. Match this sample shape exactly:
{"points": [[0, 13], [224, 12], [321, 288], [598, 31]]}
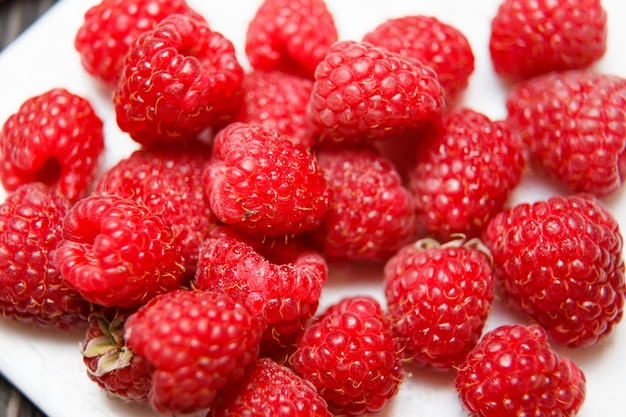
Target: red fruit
{"points": [[365, 92], [179, 79], [271, 390], [168, 180], [110, 363], [116, 252], [55, 138], [434, 43], [109, 28], [198, 343], [439, 297], [371, 212], [32, 289], [574, 126], [533, 37], [465, 169], [350, 355], [513, 371], [290, 36], [279, 282], [561, 262], [263, 185], [279, 101]]}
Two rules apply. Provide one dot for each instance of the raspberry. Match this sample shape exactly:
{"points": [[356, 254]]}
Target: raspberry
{"points": [[574, 126], [32, 289], [560, 261], [263, 185], [271, 390], [290, 36], [55, 138], [366, 92], [533, 37], [279, 282], [278, 101], [179, 79], [465, 169], [439, 45], [109, 28], [110, 363], [198, 343], [350, 355], [115, 252], [439, 297], [371, 213], [513, 371], [168, 180]]}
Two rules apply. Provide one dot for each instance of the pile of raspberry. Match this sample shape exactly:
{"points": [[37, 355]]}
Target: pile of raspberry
{"points": [[196, 263]]}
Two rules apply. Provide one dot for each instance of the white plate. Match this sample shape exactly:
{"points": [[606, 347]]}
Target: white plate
{"points": [[47, 365]]}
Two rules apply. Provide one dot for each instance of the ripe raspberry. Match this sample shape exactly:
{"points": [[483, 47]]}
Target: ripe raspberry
{"points": [[271, 390], [439, 297], [290, 36], [574, 126], [109, 28], [513, 371], [351, 357], [115, 252], [365, 92], [279, 282], [533, 37], [465, 169], [560, 261], [110, 363], [198, 343], [32, 289], [439, 45], [263, 185], [168, 180], [178, 80], [371, 213], [278, 101], [55, 138]]}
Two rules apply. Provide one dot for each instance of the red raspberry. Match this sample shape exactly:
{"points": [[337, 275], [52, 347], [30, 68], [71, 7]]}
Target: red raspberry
{"points": [[290, 35], [465, 169], [109, 28], [31, 287], [198, 343], [533, 37], [271, 390], [115, 252], [351, 357], [366, 92], [371, 213], [574, 126], [513, 371], [263, 185], [279, 282], [110, 363], [55, 138], [278, 101], [560, 261], [168, 180], [179, 79], [439, 297], [439, 45]]}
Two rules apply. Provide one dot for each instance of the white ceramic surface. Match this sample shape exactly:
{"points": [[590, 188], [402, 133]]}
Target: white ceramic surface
{"points": [[47, 365]]}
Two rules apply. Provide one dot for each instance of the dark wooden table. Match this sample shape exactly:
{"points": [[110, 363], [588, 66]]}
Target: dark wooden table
{"points": [[15, 17]]}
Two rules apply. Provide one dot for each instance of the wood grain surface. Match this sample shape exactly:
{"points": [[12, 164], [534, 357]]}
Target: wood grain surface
{"points": [[15, 17]]}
